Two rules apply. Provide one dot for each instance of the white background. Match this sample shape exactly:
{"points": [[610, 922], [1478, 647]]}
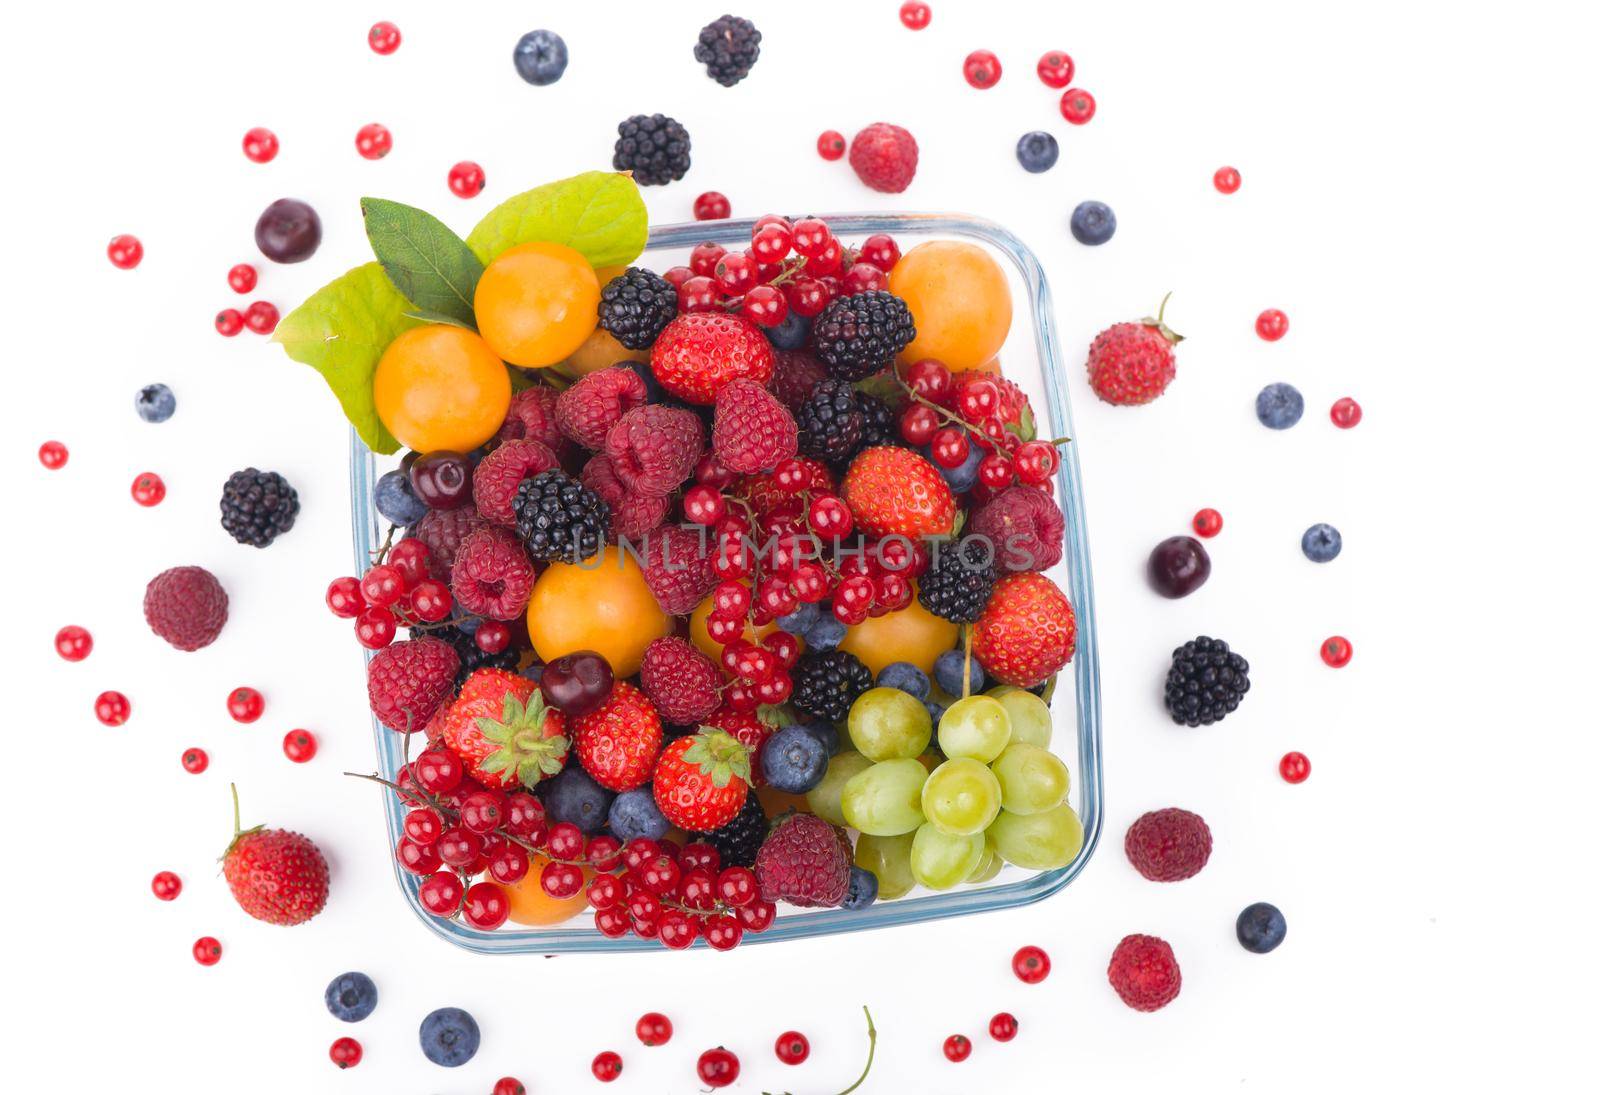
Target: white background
{"points": [[1412, 185]]}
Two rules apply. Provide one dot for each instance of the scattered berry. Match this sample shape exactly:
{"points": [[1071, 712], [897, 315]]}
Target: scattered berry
{"points": [[1295, 767], [166, 886], [1055, 69], [915, 14], [1345, 413], [1178, 566], [1279, 406], [1321, 543], [1145, 973], [713, 205], [258, 506], [1003, 1027], [74, 643], [207, 951], [652, 146], [125, 252], [884, 157], [195, 760], [509, 1085], [155, 403], [288, 231], [728, 47], [261, 317], [1272, 325], [981, 69], [1031, 965], [53, 455], [345, 1052], [299, 745], [351, 997], [449, 1037], [1037, 151], [1206, 682], [242, 277], [374, 141], [383, 38], [653, 1029], [1337, 651], [957, 1048], [260, 146], [229, 322], [1132, 363], [1168, 845], [717, 1067], [1077, 105], [606, 1066], [1093, 223], [466, 179], [275, 875], [1207, 523], [792, 1047], [830, 144], [148, 489], [540, 57], [112, 708], [1226, 180], [1260, 928], [245, 705]]}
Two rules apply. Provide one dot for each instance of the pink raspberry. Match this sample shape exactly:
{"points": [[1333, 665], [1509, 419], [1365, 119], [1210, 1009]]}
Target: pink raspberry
{"points": [[1025, 526], [495, 479], [884, 157], [677, 568], [587, 410], [653, 449], [409, 681], [632, 514], [1168, 845], [1145, 972], [804, 862], [752, 431], [794, 374], [532, 417], [186, 606], [442, 530], [680, 681], [492, 575]]}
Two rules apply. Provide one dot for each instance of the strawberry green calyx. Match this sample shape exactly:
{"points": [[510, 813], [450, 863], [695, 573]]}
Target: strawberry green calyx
{"points": [[238, 833], [719, 755], [1159, 322], [524, 747]]}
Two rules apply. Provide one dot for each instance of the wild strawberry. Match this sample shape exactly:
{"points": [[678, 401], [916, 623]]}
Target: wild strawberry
{"points": [[805, 862], [750, 729], [700, 352], [1132, 363], [702, 780], [619, 741], [275, 875], [894, 491], [501, 729], [1027, 632]]}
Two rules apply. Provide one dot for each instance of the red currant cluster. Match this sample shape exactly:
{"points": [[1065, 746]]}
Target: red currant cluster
{"points": [[674, 895], [397, 592], [951, 418], [261, 317], [794, 266]]}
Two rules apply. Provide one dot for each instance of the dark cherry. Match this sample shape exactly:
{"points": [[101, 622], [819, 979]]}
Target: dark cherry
{"points": [[288, 230], [442, 480], [1179, 565], [576, 684]]}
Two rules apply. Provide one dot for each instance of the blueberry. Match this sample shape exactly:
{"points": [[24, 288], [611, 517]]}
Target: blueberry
{"points": [[863, 889], [1093, 223], [351, 997], [906, 677], [635, 814], [1322, 543], [947, 672], [1280, 406], [935, 710], [1037, 151], [824, 635], [800, 620], [824, 732], [960, 479], [534, 672], [793, 760], [449, 1037], [1261, 927], [792, 333], [155, 402], [540, 57], [467, 623], [574, 797], [395, 501]]}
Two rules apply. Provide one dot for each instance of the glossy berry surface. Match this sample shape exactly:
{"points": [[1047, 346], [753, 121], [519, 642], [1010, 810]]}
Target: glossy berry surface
{"points": [[1055, 69], [606, 1066], [125, 252], [653, 1029], [915, 14], [195, 760], [112, 708], [576, 684], [261, 317], [717, 1067], [299, 745], [383, 38], [245, 705], [713, 205], [242, 277], [792, 1047], [74, 643], [1037, 151], [1003, 1027], [509, 1085], [981, 69], [1345, 413], [957, 1048], [1337, 651], [830, 144], [229, 322], [374, 141], [1272, 324], [148, 489], [166, 886], [1226, 180], [1077, 106], [1207, 523], [1031, 965], [1093, 223], [1260, 928], [466, 179], [260, 146], [207, 951], [53, 455], [1178, 566], [346, 1053], [1294, 767]]}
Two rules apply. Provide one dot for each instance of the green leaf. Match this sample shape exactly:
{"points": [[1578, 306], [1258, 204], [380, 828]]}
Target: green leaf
{"points": [[885, 386], [439, 317], [1027, 429], [341, 331], [427, 262], [600, 214]]}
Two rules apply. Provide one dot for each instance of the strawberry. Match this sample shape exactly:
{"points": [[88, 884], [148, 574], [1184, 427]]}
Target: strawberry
{"points": [[702, 780], [1027, 632], [619, 741], [275, 875], [894, 491], [700, 352], [1132, 363], [750, 729], [805, 861], [501, 729]]}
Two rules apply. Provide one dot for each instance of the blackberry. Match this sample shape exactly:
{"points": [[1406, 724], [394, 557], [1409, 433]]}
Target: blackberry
{"points": [[654, 147], [739, 840], [258, 506], [471, 655], [857, 335], [959, 580], [879, 424], [831, 422], [825, 685], [636, 305], [559, 518], [728, 48], [1206, 682]]}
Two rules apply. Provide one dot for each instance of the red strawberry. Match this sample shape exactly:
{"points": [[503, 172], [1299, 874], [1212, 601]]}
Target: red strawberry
{"points": [[700, 352], [893, 491], [750, 729], [1027, 632], [275, 875], [1132, 363], [619, 741], [805, 861], [702, 780], [501, 729]]}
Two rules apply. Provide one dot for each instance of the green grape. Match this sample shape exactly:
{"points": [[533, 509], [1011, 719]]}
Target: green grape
{"points": [[824, 797], [940, 861], [888, 724], [1039, 842], [889, 858], [886, 799], [1032, 780], [961, 797], [988, 866], [976, 727], [1030, 716]]}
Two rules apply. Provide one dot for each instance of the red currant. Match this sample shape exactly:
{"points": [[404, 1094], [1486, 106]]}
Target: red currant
{"points": [[930, 379], [880, 250], [717, 1067], [430, 601], [425, 859], [1226, 180], [1031, 965], [864, 277], [112, 708], [384, 38], [604, 891], [260, 146], [771, 219], [1294, 767], [375, 628], [830, 517], [485, 906], [982, 69], [957, 1048], [148, 489], [792, 1047], [604, 852], [482, 811], [830, 144], [207, 951], [560, 880], [423, 825], [978, 400], [566, 840], [441, 893], [1003, 1027], [458, 846], [245, 704], [1337, 651], [807, 297], [1036, 462], [166, 885], [374, 141], [675, 276], [438, 771], [675, 930], [918, 423], [53, 454], [195, 760], [261, 317], [771, 244], [735, 272], [510, 864], [765, 306], [1346, 413], [915, 14], [1055, 68], [723, 933], [492, 636], [509, 1085], [606, 1066], [1077, 105], [827, 261], [699, 294], [299, 745], [776, 689], [653, 1029], [893, 592], [74, 643], [704, 258], [995, 472], [229, 322], [125, 252], [466, 179], [811, 237], [949, 447], [346, 1053], [242, 278], [712, 206], [757, 916], [1272, 325]]}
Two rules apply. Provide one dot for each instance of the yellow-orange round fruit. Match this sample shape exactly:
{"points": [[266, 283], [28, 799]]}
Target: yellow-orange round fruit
{"points": [[775, 802], [441, 387], [911, 634], [531, 905], [536, 303], [709, 646], [600, 351], [602, 604], [960, 301]]}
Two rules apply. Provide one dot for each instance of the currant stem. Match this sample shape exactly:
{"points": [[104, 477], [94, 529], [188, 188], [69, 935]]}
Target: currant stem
{"points": [[1161, 312], [234, 791]]}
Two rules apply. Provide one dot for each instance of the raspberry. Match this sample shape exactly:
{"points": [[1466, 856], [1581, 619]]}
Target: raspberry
{"points": [[495, 479], [752, 431], [700, 352], [794, 374], [884, 157], [1026, 527], [654, 448], [1168, 845], [588, 409], [680, 681], [409, 681], [532, 416], [186, 606], [804, 862], [492, 576], [1145, 973], [677, 568], [632, 514], [442, 530]]}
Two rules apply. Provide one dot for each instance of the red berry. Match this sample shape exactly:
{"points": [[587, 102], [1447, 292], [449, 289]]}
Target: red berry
{"points": [[1055, 69], [735, 272], [606, 1066], [261, 317], [427, 858], [509, 1085], [242, 278], [207, 951], [830, 517], [260, 146], [560, 880], [723, 933], [375, 628], [1207, 523], [982, 69], [918, 423], [229, 322], [713, 205], [811, 237], [346, 1053], [703, 259], [466, 179], [125, 252], [166, 885], [299, 745], [995, 472], [195, 760], [485, 906], [245, 705], [930, 379], [112, 708], [717, 1067], [864, 277], [383, 585], [374, 141], [957, 1047], [1337, 651], [430, 600], [757, 916], [653, 1029], [1226, 180], [675, 276], [441, 893], [830, 144], [565, 840], [492, 636], [1077, 105], [1272, 325], [879, 250], [826, 261], [1346, 413], [52, 454], [771, 244], [978, 400], [1003, 1027], [915, 14], [765, 306], [384, 38], [699, 294], [423, 825], [1294, 767], [74, 643], [792, 1047], [1031, 965], [148, 489], [807, 297], [949, 447]]}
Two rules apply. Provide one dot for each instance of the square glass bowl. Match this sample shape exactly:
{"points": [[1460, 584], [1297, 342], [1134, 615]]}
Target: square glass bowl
{"points": [[1030, 358]]}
